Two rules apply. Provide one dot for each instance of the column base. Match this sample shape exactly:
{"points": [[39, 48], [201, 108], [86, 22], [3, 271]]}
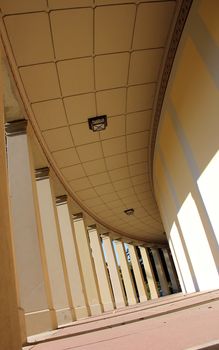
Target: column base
{"points": [[132, 302], [38, 322], [64, 316], [96, 309], [120, 304], [143, 298], [22, 325], [108, 306], [81, 312]]}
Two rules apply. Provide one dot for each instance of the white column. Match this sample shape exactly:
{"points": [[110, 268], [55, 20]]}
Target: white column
{"points": [[118, 290], [160, 272], [126, 273], [100, 265], [26, 231], [87, 264], [149, 273], [75, 277], [51, 236], [138, 273], [171, 271]]}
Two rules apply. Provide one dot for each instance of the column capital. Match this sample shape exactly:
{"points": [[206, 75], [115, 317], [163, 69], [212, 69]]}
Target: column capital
{"points": [[42, 173], [92, 227], [77, 216], [61, 199], [16, 127]]}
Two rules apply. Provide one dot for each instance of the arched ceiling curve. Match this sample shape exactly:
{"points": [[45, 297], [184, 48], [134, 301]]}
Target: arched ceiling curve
{"points": [[75, 59]]}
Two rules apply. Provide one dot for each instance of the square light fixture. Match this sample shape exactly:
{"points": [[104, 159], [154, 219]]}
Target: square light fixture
{"points": [[129, 211], [98, 123]]}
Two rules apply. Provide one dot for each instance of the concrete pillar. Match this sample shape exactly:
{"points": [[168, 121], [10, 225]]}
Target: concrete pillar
{"points": [[12, 331], [149, 273], [171, 270], [160, 272], [102, 273], [54, 257], [118, 290], [87, 264], [126, 273], [26, 232], [75, 277], [138, 273]]}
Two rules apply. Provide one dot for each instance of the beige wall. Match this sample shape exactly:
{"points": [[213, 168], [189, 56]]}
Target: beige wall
{"points": [[186, 163]]}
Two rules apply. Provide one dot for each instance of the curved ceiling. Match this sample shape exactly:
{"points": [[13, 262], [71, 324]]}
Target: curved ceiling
{"points": [[80, 58]]}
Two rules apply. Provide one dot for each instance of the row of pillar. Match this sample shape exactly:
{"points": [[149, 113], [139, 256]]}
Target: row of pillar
{"points": [[65, 270]]}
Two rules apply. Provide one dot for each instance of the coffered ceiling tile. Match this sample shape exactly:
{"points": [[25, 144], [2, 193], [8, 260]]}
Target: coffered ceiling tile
{"points": [[115, 204], [138, 169], [138, 156], [132, 201], [90, 152], [126, 193], [82, 134], [141, 188], [114, 146], [113, 28], [100, 208], [66, 157], [86, 194], [104, 189], [145, 66], [109, 197], [56, 4], [21, 6], [142, 196], [76, 76], [118, 174], [24, 32], [117, 161], [148, 17], [138, 180], [108, 2], [122, 184], [111, 70], [94, 167], [111, 102], [80, 184], [139, 121], [115, 127], [72, 32], [49, 114], [79, 108], [58, 139], [106, 213], [99, 179], [73, 172], [137, 141], [140, 97], [40, 82], [93, 202]]}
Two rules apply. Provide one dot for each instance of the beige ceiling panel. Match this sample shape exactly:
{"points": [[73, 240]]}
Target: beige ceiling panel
{"points": [[87, 194], [82, 134], [79, 108], [104, 189], [122, 184], [113, 28], [99, 179], [139, 121], [115, 127], [100, 208], [140, 97], [93, 202], [145, 66], [118, 174], [142, 188], [153, 19], [90, 152], [80, 184], [111, 70], [114, 146], [139, 179], [142, 196], [40, 82], [72, 33], [73, 172], [66, 157], [132, 202], [30, 38], [108, 2], [138, 169], [115, 204], [137, 141], [56, 4], [94, 167], [138, 156], [106, 213], [58, 139], [111, 102], [126, 193], [49, 114], [109, 197], [76, 76], [21, 6], [117, 161]]}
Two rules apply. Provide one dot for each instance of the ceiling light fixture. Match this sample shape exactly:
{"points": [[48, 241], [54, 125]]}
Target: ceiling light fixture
{"points": [[98, 123], [129, 211]]}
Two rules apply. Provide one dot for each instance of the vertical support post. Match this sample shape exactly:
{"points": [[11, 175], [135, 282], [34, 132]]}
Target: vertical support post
{"points": [[171, 271], [149, 273], [160, 272]]}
